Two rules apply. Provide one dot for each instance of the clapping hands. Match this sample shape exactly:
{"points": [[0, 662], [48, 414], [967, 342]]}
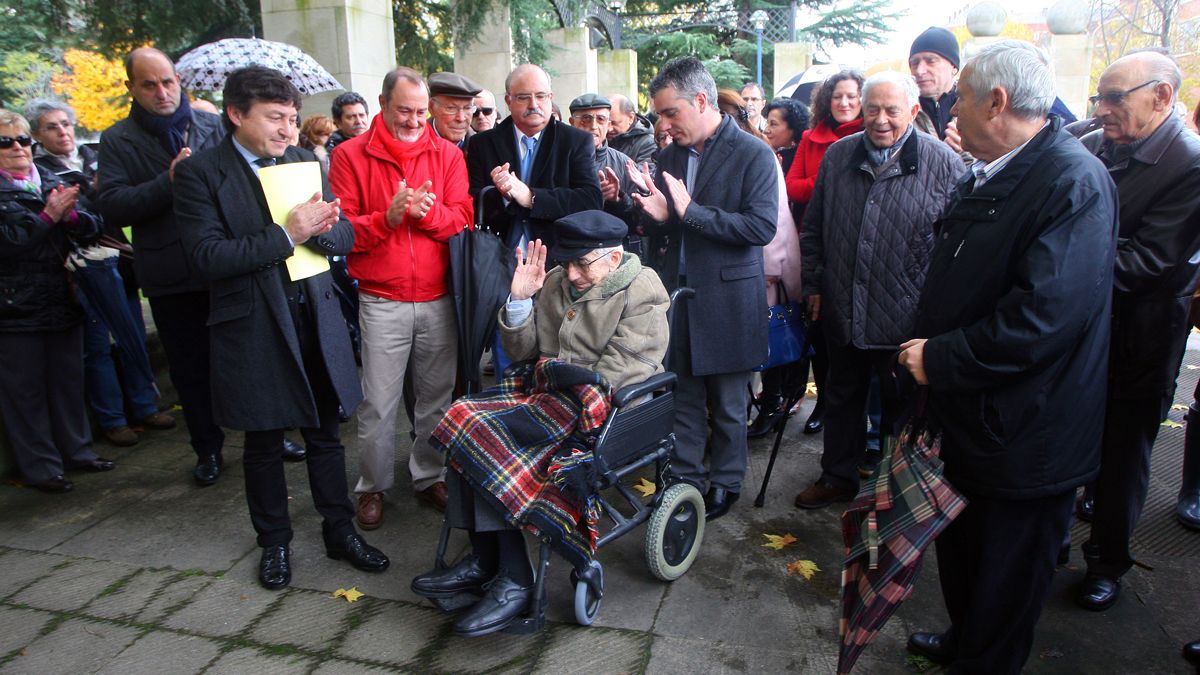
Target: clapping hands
{"points": [[312, 218]]}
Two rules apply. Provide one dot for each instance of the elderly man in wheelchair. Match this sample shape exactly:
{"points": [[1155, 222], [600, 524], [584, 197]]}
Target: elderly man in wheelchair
{"points": [[599, 317]]}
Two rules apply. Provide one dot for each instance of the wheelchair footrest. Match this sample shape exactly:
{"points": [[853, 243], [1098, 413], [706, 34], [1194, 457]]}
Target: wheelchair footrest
{"points": [[456, 603]]}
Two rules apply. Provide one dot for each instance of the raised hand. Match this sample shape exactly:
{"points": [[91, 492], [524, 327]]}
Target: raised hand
{"points": [[610, 185], [183, 154], [400, 203], [311, 218], [422, 200], [531, 271], [654, 204], [953, 139]]}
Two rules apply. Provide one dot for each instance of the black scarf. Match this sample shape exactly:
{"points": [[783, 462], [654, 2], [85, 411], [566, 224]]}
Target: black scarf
{"points": [[170, 131]]}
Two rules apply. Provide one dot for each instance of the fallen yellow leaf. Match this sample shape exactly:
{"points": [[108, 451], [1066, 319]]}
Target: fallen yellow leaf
{"points": [[645, 487], [1191, 367], [1171, 424], [1180, 406], [778, 541], [350, 595], [811, 389], [805, 568]]}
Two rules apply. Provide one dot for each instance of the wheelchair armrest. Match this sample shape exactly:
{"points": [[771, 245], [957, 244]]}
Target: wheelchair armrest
{"points": [[633, 392]]}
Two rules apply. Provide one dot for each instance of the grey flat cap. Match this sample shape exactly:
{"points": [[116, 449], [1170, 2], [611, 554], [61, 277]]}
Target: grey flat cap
{"points": [[452, 84], [590, 101]]}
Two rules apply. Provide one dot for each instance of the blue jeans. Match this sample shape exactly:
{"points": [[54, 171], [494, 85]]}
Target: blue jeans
{"points": [[109, 310]]}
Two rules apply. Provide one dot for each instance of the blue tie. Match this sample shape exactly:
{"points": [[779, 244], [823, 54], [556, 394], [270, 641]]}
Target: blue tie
{"points": [[527, 164]]}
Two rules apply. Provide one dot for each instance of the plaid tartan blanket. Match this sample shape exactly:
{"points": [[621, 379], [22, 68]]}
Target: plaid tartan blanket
{"points": [[517, 439]]}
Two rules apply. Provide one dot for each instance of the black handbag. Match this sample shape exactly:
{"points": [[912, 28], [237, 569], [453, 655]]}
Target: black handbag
{"points": [[787, 340]]}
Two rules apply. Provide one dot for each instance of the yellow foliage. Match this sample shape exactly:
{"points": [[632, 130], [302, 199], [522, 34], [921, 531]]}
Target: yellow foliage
{"points": [[94, 86], [778, 541], [645, 487], [351, 595], [805, 568]]}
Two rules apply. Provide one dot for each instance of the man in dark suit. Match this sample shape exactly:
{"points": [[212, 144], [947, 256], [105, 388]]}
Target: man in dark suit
{"points": [[138, 157], [280, 352], [716, 196], [542, 169]]}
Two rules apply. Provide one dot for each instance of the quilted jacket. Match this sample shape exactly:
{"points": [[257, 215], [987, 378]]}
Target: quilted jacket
{"points": [[866, 241]]}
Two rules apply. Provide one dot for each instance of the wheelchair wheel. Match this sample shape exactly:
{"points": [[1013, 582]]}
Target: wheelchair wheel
{"points": [[587, 596], [674, 532]]}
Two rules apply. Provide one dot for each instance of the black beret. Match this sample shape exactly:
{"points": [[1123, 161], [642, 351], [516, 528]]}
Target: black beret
{"points": [[581, 233], [452, 84], [590, 101], [939, 41]]}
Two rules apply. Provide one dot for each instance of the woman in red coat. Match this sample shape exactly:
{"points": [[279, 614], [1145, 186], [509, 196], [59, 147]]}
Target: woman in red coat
{"points": [[836, 113]]}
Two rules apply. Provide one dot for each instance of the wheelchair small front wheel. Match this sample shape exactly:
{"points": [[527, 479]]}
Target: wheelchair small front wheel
{"points": [[675, 531], [589, 589]]}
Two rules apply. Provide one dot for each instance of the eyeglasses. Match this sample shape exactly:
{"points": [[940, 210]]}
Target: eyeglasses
{"points": [[6, 142], [1115, 97], [588, 119], [525, 99], [486, 112], [56, 126], [581, 264], [456, 110]]}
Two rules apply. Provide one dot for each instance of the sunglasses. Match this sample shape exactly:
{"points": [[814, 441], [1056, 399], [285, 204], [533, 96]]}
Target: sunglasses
{"points": [[1114, 98], [486, 112], [6, 142]]}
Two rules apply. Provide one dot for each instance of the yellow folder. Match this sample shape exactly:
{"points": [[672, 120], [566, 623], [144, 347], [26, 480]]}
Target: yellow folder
{"points": [[286, 186]]}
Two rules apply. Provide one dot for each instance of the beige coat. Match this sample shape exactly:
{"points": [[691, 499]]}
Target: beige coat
{"points": [[618, 328]]}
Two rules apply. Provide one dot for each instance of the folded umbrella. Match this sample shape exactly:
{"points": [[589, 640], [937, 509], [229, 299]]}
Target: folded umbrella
{"points": [[897, 513], [206, 67]]}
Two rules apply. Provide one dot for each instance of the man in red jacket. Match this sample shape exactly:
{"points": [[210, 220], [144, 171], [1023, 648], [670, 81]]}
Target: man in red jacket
{"points": [[405, 191]]}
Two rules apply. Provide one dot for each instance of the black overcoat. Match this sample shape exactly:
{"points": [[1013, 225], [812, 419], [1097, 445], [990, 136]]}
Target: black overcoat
{"points": [[258, 377], [1015, 306], [1158, 259]]}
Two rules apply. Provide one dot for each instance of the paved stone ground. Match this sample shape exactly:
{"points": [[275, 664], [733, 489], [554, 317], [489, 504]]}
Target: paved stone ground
{"points": [[139, 571]]}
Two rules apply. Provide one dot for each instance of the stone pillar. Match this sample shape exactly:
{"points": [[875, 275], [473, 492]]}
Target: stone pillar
{"points": [[791, 59], [354, 39], [617, 73], [489, 58], [1071, 53], [572, 64]]}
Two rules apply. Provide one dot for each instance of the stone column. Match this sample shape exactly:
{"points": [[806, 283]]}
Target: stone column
{"points": [[1071, 53], [617, 73], [354, 39], [791, 59], [489, 58], [572, 64]]}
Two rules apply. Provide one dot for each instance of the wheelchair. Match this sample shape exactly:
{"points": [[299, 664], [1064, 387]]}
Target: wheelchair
{"points": [[638, 433]]}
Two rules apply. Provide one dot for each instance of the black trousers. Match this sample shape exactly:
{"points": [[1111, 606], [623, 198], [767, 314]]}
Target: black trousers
{"points": [[182, 322], [1130, 428], [846, 388], [266, 485], [996, 562]]}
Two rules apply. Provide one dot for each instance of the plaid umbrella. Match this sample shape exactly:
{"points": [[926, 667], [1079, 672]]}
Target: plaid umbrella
{"points": [[897, 513], [206, 67]]}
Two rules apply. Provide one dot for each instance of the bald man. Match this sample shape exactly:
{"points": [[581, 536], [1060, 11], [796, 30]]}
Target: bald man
{"points": [[1155, 161], [138, 156], [630, 133], [542, 169]]}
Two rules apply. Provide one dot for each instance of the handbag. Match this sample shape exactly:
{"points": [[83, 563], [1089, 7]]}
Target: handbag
{"points": [[787, 340]]}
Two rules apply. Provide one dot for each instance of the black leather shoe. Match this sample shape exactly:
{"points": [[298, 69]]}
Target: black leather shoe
{"points": [[358, 553], [1187, 510], [207, 471], [275, 567], [468, 576], [1085, 508], [764, 423], [1098, 592], [814, 424], [504, 602], [53, 485], [933, 646], [293, 452], [1191, 652], [96, 465], [718, 501]]}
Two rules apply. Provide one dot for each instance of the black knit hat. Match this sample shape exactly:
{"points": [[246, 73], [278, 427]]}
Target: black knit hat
{"points": [[939, 41]]}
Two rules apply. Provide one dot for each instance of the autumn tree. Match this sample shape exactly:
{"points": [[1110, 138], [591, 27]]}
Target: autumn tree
{"points": [[94, 86]]}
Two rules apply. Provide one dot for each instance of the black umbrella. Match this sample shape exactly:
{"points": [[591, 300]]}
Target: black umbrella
{"points": [[481, 271]]}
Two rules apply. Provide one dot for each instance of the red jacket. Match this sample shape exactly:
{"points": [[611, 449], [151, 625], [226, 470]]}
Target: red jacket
{"points": [[802, 176], [409, 262]]}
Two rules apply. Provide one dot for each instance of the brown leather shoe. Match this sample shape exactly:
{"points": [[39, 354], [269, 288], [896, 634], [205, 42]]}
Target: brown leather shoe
{"points": [[821, 494], [369, 513], [122, 437], [158, 420], [435, 495]]}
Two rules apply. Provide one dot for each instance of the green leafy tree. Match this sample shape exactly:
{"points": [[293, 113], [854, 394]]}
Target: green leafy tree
{"points": [[24, 76], [175, 26]]}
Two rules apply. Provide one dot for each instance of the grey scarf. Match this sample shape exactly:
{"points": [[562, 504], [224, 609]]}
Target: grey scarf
{"points": [[877, 156]]}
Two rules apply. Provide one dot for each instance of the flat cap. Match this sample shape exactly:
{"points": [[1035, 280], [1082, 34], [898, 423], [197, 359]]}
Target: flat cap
{"points": [[452, 84], [581, 233], [590, 101]]}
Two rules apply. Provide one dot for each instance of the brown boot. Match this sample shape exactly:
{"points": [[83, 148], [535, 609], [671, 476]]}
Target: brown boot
{"points": [[369, 513], [823, 493]]}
